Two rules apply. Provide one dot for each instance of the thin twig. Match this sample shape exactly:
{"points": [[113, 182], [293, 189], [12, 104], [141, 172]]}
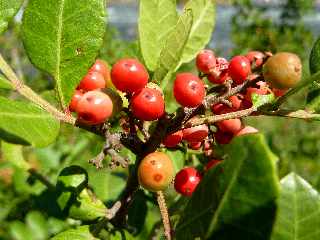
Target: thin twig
{"points": [[27, 92], [164, 214]]}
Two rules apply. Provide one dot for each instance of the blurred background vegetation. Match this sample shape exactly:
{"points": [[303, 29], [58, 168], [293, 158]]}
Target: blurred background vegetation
{"points": [[242, 25]]}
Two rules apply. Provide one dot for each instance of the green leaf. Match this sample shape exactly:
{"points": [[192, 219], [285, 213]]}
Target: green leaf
{"points": [[157, 19], [13, 154], [79, 233], [172, 50], [313, 97], [87, 207], [19, 231], [298, 215], [236, 199], [4, 83], [63, 37], [202, 27], [37, 224], [8, 9], [28, 122], [259, 100]]}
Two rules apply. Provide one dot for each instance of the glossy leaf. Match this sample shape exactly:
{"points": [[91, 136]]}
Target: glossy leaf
{"points": [[236, 199], [298, 215], [202, 27], [27, 122], [157, 19], [172, 50], [63, 37], [79, 233], [260, 100], [4, 83], [8, 9]]}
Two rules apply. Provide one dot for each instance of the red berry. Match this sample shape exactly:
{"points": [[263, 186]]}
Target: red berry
{"points": [[195, 145], [236, 102], [223, 137], [195, 134], [255, 57], [251, 90], [74, 100], [218, 77], [205, 61], [279, 92], [212, 163], [92, 81], [94, 107], [147, 104], [222, 64], [173, 139], [129, 75], [239, 69], [246, 130], [187, 180], [230, 125], [101, 67], [188, 90]]}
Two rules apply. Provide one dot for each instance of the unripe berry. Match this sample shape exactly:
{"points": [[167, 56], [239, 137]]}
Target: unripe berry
{"points": [[155, 171], [239, 69], [188, 90], [223, 137], [231, 125], [256, 58], [173, 139], [94, 107], [147, 104], [101, 67], [92, 81], [205, 61], [195, 145], [212, 163], [129, 75], [283, 70], [187, 180], [246, 130], [195, 134], [74, 100]]}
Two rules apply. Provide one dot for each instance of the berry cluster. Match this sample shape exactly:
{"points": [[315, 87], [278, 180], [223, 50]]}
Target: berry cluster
{"points": [[235, 83]]}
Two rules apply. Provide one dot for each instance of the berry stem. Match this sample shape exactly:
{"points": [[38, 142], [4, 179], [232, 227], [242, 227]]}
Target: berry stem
{"points": [[164, 214], [28, 93]]}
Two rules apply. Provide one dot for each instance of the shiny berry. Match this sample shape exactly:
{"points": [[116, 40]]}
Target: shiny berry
{"points": [[186, 181], [173, 139], [212, 163], [230, 125], [223, 137], [74, 100], [205, 61], [92, 81], [129, 75], [155, 171], [256, 58], [94, 107], [239, 69], [195, 134], [283, 70], [188, 90], [147, 104], [246, 130], [101, 67]]}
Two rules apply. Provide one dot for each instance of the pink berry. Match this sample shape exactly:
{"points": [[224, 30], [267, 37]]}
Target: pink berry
{"points": [[231, 125]]}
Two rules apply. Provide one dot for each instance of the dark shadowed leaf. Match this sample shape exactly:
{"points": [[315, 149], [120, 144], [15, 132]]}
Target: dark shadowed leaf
{"points": [[235, 200]]}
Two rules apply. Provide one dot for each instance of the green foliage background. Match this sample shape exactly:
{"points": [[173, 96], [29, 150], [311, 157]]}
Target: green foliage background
{"points": [[26, 207]]}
